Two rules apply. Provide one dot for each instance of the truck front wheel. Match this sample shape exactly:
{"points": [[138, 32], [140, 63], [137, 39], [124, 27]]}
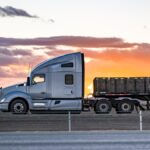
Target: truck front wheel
{"points": [[103, 106], [18, 106]]}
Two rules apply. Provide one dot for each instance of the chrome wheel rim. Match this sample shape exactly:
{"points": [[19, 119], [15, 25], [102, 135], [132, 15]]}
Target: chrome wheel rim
{"points": [[18, 107]]}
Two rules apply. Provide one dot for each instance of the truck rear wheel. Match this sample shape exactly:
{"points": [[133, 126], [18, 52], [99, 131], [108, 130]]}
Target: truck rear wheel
{"points": [[18, 106], [103, 106], [125, 107]]}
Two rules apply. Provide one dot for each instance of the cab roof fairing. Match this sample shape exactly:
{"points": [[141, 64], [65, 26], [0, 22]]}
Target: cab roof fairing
{"points": [[53, 61]]}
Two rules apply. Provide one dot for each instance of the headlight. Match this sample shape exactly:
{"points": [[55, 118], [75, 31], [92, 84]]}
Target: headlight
{"points": [[2, 100]]}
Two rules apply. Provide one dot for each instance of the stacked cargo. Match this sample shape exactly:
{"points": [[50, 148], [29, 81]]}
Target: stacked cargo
{"points": [[120, 85], [147, 85], [140, 85], [110, 85], [100, 85], [130, 85]]}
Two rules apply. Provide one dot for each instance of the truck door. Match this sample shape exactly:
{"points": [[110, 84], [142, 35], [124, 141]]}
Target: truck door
{"points": [[37, 89]]}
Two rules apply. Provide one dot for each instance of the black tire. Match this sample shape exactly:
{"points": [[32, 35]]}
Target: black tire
{"points": [[18, 106], [125, 106], [103, 107]]}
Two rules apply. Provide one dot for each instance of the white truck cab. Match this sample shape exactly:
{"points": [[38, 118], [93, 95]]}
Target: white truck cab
{"points": [[56, 84]]}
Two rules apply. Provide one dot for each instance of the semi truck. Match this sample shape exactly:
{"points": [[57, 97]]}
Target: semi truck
{"points": [[57, 85]]}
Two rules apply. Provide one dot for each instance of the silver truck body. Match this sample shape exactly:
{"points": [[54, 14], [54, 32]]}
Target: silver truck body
{"points": [[56, 84]]}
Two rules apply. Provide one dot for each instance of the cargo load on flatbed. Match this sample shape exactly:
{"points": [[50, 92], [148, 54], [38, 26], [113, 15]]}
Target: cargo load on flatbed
{"points": [[121, 85]]}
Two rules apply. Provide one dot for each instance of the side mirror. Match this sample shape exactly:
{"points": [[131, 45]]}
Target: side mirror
{"points": [[28, 81]]}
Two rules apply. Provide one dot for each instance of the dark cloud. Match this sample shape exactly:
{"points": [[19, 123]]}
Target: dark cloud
{"points": [[10, 56], [76, 41], [9, 52], [7, 60], [22, 52], [5, 51], [12, 12]]}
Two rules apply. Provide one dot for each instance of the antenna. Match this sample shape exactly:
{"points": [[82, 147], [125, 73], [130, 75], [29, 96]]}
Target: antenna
{"points": [[29, 68]]}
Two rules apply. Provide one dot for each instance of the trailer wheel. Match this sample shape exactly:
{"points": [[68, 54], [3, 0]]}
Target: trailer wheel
{"points": [[18, 106], [125, 106], [103, 106]]}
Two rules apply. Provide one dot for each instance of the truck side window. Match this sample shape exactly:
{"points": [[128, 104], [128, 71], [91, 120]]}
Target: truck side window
{"points": [[68, 79], [70, 64], [39, 78]]}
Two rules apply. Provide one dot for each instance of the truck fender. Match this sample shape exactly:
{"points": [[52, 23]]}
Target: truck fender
{"points": [[13, 95]]}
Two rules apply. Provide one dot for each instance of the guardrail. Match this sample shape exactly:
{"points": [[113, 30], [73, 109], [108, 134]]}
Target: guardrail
{"points": [[140, 121], [86, 121]]}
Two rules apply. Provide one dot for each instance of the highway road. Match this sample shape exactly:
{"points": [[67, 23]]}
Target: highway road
{"points": [[98, 140], [79, 122]]}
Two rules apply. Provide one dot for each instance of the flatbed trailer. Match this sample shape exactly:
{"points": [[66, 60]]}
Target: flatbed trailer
{"points": [[123, 94]]}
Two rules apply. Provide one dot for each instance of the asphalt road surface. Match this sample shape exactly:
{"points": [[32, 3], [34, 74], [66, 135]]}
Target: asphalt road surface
{"points": [[98, 140], [79, 122]]}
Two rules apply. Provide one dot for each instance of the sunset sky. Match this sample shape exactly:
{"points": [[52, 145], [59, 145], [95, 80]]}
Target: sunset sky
{"points": [[114, 35]]}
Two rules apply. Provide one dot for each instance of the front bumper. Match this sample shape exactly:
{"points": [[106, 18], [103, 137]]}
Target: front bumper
{"points": [[4, 106]]}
